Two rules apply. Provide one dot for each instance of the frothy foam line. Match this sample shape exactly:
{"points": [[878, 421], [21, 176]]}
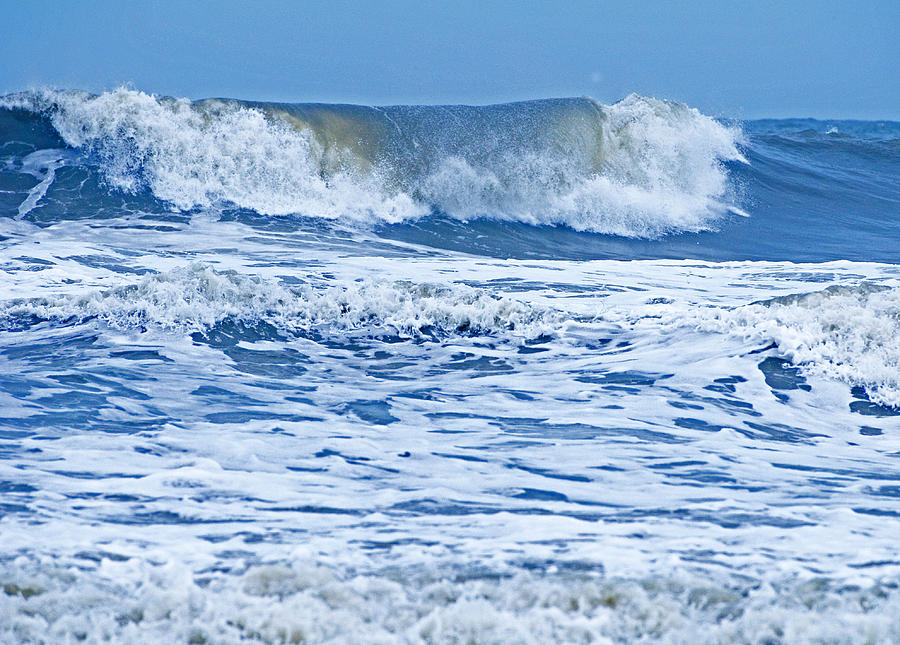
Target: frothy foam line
{"points": [[641, 167], [127, 602], [197, 297], [847, 333]]}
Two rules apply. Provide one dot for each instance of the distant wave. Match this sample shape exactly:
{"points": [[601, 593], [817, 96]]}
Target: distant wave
{"points": [[641, 167]]}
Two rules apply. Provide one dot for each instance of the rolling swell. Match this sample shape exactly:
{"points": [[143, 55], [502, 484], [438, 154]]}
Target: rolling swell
{"points": [[640, 168]]}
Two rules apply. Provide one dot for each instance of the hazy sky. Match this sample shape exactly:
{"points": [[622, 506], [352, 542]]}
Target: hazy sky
{"points": [[742, 59]]}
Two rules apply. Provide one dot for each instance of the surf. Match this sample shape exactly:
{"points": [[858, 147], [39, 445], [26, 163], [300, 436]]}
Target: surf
{"points": [[641, 167]]}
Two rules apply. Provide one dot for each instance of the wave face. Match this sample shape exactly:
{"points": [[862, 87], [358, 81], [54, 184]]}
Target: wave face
{"points": [[638, 168]]}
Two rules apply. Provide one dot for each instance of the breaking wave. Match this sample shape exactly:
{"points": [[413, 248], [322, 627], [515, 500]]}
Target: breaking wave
{"points": [[848, 333], [196, 297], [641, 167]]}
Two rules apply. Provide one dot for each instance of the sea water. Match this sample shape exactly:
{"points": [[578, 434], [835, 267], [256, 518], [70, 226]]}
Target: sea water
{"points": [[551, 371]]}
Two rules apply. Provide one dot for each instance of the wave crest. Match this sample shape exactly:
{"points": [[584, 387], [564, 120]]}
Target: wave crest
{"points": [[641, 167], [196, 297]]}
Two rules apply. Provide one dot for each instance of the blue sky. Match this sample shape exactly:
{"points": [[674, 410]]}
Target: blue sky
{"points": [[727, 58]]}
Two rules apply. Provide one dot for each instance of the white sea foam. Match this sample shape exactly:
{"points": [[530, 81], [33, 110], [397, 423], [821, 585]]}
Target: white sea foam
{"points": [[660, 168], [847, 333], [130, 602], [223, 153], [197, 297], [42, 164], [662, 171]]}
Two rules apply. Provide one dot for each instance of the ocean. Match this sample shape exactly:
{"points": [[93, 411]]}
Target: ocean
{"points": [[542, 372]]}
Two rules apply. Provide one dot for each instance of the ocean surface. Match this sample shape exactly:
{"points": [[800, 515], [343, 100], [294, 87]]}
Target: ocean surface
{"points": [[543, 372]]}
